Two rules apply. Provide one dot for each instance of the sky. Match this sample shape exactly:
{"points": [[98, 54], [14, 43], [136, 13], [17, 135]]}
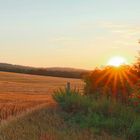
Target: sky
{"points": [[68, 33]]}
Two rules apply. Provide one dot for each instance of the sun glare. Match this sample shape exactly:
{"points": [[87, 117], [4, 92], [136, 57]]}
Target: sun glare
{"points": [[117, 61]]}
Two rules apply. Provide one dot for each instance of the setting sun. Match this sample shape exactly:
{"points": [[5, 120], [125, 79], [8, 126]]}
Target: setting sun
{"points": [[117, 61]]}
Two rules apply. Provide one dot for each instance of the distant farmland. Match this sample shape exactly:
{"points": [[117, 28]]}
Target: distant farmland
{"points": [[20, 92]]}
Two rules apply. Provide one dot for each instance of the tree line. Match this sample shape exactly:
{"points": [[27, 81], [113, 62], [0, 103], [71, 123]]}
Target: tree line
{"points": [[60, 72]]}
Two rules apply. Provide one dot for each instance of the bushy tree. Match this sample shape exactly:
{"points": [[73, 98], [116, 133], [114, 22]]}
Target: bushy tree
{"points": [[113, 82]]}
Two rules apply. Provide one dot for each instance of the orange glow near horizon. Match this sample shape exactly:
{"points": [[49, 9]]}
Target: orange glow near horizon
{"points": [[116, 78]]}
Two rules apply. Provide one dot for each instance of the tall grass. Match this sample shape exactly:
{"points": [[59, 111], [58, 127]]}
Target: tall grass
{"points": [[46, 124], [8, 110]]}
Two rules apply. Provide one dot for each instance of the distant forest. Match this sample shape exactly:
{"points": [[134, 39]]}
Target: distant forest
{"points": [[56, 72]]}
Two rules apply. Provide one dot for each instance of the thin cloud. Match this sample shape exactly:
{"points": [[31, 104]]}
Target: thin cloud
{"points": [[123, 29]]}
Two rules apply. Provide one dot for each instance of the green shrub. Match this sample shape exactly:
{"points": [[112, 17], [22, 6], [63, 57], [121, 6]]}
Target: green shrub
{"points": [[72, 101]]}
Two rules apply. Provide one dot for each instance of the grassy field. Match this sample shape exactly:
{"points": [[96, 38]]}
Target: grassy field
{"points": [[46, 124], [21, 92]]}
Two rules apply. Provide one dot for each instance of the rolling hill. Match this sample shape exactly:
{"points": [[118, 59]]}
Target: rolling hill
{"points": [[54, 71]]}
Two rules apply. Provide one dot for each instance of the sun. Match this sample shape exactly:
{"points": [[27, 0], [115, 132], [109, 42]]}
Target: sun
{"points": [[117, 61]]}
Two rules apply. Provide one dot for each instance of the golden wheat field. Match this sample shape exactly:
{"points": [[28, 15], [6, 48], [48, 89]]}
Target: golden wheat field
{"points": [[21, 92]]}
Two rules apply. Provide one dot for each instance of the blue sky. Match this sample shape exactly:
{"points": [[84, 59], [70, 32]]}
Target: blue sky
{"points": [[68, 33]]}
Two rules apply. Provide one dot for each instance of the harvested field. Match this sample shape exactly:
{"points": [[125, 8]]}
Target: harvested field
{"points": [[20, 92]]}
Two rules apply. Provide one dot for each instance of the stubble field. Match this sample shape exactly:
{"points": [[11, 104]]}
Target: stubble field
{"points": [[21, 92]]}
